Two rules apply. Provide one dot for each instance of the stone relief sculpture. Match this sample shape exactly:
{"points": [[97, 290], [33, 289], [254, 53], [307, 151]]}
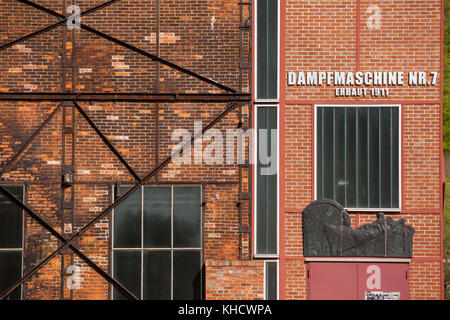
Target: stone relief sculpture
{"points": [[327, 233]]}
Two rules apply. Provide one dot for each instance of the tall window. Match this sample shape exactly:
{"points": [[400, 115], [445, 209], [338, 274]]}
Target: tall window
{"points": [[157, 243], [267, 49], [266, 164], [358, 156], [271, 280], [267, 181], [11, 242]]}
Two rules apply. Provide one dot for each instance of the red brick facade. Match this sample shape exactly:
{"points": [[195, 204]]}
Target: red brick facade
{"points": [[203, 36], [331, 36]]}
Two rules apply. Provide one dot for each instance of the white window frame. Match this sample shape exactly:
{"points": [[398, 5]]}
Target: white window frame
{"points": [[255, 44], [172, 249], [255, 176], [278, 277], [23, 233], [400, 174]]}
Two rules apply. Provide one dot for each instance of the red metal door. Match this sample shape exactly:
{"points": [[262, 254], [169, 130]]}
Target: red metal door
{"points": [[332, 281], [357, 281]]}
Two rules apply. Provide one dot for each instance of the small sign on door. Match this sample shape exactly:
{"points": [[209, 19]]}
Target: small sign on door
{"points": [[380, 295]]}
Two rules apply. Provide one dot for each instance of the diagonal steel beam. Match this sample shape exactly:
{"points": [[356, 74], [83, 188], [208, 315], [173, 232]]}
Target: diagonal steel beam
{"points": [[133, 48], [53, 26], [28, 142], [124, 197], [58, 236], [106, 141]]}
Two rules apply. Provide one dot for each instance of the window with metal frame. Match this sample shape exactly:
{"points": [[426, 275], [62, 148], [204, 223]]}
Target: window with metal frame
{"points": [[11, 242], [358, 157], [267, 181], [267, 48], [157, 243], [271, 280]]}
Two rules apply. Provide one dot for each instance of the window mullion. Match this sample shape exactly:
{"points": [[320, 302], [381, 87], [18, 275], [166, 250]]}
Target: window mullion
{"points": [[171, 243], [357, 157], [390, 155], [345, 158], [142, 243], [379, 157], [368, 157], [334, 154]]}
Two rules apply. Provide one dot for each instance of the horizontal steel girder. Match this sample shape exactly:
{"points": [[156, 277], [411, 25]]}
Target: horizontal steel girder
{"points": [[127, 97]]}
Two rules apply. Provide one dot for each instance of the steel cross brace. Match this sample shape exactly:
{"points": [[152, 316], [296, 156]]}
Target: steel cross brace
{"points": [[63, 19], [106, 141], [89, 262], [58, 236], [68, 242], [53, 26]]}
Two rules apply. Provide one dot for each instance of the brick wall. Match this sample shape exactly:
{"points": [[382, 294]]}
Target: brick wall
{"points": [[334, 36], [234, 280]]}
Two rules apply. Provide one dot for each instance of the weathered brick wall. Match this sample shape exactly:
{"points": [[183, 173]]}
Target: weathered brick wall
{"points": [[234, 280], [326, 36], [202, 36]]}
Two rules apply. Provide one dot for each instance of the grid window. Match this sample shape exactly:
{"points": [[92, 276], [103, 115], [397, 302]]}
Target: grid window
{"points": [[157, 243], [11, 242], [358, 156]]}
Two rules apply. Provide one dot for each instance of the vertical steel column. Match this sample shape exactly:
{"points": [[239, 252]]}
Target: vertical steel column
{"points": [[157, 90]]}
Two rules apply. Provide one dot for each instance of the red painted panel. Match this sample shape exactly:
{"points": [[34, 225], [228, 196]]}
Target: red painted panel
{"points": [[332, 281], [357, 280]]}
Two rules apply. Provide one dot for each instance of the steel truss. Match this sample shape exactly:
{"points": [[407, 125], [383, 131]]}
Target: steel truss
{"points": [[231, 97]]}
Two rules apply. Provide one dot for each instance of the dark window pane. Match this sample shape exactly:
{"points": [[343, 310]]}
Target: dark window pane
{"points": [[186, 275], [350, 158], [11, 218], [157, 208], [358, 157], [374, 158], [385, 157], [127, 221], [186, 217], [267, 49], [320, 161], [266, 184], [157, 275], [339, 151], [328, 153], [362, 160], [127, 271], [395, 157], [10, 272], [271, 281]]}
